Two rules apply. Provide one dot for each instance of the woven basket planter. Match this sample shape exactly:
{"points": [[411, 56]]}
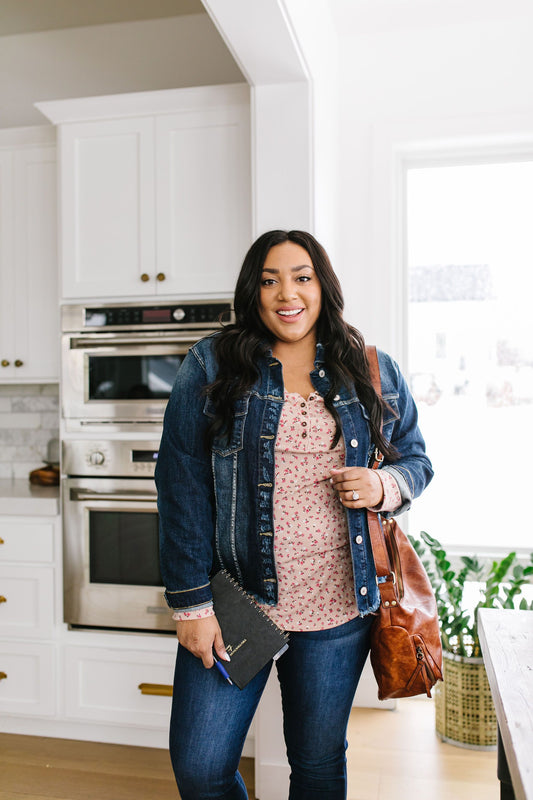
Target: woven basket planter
{"points": [[464, 709]]}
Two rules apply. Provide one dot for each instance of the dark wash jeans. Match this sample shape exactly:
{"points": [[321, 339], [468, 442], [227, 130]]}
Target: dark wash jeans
{"points": [[318, 675]]}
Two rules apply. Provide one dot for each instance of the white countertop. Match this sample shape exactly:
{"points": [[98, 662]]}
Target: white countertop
{"points": [[18, 497]]}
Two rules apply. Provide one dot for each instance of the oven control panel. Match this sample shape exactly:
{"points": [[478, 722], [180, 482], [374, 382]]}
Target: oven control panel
{"points": [[156, 316], [112, 458]]}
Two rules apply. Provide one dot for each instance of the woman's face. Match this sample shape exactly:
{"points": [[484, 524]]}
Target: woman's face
{"points": [[290, 298]]}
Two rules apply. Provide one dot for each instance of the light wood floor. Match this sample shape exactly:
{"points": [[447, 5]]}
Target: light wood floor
{"points": [[391, 754]]}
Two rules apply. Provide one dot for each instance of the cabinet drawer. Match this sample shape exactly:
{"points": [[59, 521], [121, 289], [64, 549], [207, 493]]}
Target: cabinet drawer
{"points": [[26, 601], [29, 683], [26, 541], [103, 685]]}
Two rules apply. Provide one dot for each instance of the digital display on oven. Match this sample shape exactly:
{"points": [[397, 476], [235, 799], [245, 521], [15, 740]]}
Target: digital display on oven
{"points": [[150, 315], [144, 456]]}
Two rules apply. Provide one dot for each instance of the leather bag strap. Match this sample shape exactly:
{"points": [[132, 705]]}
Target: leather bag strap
{"points": [[384, 571]]}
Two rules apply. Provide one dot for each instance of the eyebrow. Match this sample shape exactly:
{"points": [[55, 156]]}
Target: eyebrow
{"points": [[275, 271]]}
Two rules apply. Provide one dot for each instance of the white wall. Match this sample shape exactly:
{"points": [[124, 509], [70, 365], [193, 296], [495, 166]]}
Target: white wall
{"points": [[109, 59], [465, 83]]}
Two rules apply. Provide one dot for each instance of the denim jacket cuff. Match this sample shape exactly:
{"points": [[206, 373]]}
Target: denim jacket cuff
{"points": [[184, 599]]}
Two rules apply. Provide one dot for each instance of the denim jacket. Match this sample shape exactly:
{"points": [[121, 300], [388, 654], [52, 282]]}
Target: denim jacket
{"points": [[216, 509]]}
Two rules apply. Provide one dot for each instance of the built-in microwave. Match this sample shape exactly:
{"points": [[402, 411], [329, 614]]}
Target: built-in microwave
{"points": [[119, 362]]}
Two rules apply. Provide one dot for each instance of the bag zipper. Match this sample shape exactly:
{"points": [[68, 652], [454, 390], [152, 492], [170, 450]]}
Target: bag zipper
{"points": [[424, 668]]}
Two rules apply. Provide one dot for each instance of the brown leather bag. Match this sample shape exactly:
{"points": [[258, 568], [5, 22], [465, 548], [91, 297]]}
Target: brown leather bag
{"points": [[405, 650]]}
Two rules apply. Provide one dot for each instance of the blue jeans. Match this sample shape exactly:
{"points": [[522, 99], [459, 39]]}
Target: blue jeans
{"points": [[318, 676]]}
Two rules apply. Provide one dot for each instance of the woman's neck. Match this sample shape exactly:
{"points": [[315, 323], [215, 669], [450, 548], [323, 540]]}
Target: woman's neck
{"points": [[297, 359]]}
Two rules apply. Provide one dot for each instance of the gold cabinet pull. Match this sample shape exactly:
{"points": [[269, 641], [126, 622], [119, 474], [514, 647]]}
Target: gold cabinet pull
{"points": [[160, 689], [3, 599], [161, 276], [1, 540], [145, 277], [18, 362], [3, 676], [5, 362]]}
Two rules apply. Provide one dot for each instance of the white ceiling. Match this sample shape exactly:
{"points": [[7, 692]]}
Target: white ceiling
{"points": [[30, 16], [350, 17]]}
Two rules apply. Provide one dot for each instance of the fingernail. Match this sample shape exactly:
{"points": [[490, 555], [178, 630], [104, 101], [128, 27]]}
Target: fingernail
{"points": [[225, 657]]}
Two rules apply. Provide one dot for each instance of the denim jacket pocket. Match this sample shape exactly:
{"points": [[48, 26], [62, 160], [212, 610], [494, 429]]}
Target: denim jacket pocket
{"points": [[391, 414], [224, 445]]}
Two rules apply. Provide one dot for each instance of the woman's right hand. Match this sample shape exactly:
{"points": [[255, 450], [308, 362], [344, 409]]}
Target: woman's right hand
{"points": [[201, 637]]}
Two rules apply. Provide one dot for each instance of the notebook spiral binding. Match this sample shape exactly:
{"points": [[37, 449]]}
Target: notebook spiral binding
{"points": [[253, 603]]}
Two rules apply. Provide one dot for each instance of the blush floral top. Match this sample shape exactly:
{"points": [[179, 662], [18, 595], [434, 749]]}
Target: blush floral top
{"points": [[311, 546]]}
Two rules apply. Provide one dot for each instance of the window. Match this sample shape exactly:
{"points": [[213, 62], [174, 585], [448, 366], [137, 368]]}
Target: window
{"points": [[470, 269]]}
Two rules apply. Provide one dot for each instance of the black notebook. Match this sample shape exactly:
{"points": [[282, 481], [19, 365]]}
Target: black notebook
{"points": [[251, 638]]}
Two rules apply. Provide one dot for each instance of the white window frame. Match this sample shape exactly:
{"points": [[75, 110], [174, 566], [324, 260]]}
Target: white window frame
{"points": [[398, 147]]}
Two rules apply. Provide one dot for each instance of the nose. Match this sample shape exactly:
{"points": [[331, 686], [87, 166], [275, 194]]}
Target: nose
{"points": [[286, 289]]}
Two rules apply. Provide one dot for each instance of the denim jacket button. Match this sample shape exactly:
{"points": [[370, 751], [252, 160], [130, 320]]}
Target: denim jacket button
{"points": [[363, 590], [321, 374], [359, 539], [337, 397], [354, 442]]}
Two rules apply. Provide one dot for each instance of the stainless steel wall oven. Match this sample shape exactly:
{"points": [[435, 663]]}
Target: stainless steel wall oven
{"points": [[110, 542], [119, 362]]}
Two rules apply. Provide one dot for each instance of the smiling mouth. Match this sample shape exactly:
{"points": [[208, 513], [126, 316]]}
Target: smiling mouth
{"points": [[289, 312]]}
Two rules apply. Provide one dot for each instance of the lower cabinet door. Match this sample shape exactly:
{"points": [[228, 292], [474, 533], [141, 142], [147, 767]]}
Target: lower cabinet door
{"points": [[26, 601], [27, 679], [120, 686]]}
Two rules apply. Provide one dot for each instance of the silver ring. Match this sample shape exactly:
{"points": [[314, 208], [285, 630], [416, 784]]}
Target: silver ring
{"points": [[355, 495]]}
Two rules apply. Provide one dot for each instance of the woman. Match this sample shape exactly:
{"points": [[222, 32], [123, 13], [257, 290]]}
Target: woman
{"points": [[263, 470]]}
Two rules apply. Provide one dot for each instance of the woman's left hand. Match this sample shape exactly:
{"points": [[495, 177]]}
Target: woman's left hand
{"points": [[357, 487]]}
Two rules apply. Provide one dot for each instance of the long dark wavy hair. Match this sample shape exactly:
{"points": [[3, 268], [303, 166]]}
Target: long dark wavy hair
{"points": [[241, 343]]}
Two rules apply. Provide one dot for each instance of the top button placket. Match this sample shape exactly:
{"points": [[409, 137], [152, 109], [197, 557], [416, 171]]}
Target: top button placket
{"points": [[303, 406]]}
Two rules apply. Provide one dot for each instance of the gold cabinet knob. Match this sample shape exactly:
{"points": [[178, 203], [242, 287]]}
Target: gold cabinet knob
{"points": [[18, 362], [161, 276], [1, 540], [3, 675], [145, 277], [3, 599], [5, 362]]}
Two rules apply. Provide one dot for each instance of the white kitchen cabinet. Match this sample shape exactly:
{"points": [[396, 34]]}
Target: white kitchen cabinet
{"points": [[29, 324], [203, 198], [156, 201], [28, 611], [27, 678], [26, 602], [120, 685], [107, 207]]}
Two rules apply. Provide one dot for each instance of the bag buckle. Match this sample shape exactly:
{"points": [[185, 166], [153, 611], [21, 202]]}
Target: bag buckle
{"points": [[390, 578]]}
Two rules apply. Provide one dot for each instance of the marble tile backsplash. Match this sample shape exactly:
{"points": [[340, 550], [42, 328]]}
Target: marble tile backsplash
{"points": [[29, 418]]}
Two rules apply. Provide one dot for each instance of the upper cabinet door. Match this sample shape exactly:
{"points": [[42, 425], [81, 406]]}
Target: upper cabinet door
{"points": [[203, 198], [107, 208], [7, 266], [29, 320], [36, 276]]}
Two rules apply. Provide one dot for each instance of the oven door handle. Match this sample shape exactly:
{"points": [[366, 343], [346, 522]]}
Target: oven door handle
{"points": [[87, 494], [98, 340]]}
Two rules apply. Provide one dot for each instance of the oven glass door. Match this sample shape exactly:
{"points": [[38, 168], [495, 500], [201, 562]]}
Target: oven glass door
{"points": [[118, 381], [135, 376], [123, 547], [111, 555]]}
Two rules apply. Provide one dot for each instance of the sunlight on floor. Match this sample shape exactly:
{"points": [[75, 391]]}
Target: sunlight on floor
{"points": [[393, 753]]}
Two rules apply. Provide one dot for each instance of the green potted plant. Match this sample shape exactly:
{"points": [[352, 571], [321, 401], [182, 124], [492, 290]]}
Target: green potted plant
{"points": [[464, 710]]}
